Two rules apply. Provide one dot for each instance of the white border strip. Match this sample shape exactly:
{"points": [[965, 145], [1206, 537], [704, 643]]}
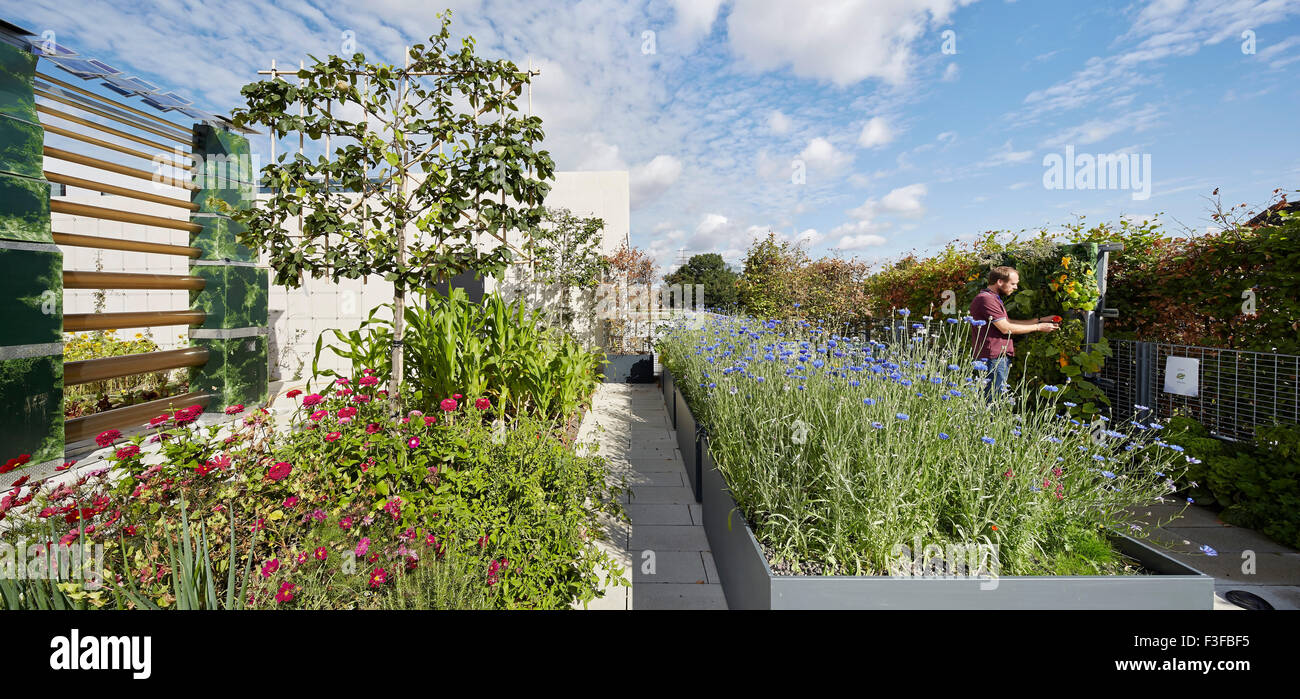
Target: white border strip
{"points": [[28, 351], [223, 263], [227, 333], [23, 245]]}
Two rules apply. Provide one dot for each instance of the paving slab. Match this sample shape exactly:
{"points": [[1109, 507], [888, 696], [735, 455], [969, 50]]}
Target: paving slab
{"points": [[664, 567], [651, 495], [661, 538], [678, 596], [671, 514]]}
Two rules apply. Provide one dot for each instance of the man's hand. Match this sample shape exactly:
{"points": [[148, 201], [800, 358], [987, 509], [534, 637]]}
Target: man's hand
{"points": [[1046, 327]]}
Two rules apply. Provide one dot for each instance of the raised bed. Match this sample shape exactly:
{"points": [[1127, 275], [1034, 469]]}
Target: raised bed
{"points": [[628, 368], [748, 582]]}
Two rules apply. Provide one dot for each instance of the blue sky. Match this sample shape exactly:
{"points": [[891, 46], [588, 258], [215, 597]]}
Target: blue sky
{"points": [[901, 145]]}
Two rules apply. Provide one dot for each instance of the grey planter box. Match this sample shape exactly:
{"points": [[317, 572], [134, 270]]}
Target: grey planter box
{"points": [[629, 368], [748, 582], [670, 397], [688, 442]]}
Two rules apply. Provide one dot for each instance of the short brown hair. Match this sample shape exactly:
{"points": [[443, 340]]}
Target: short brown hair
{"points": [[1000, 273]]}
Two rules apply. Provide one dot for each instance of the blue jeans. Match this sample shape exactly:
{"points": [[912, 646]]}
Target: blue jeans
{"points": [[998, 370]]}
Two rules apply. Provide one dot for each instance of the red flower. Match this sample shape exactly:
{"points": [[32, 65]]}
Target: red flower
{"points": [[291, 501], [293, 394], [378, 577], [319, 415], [482, 404], [269, 568], [311, 399], [430, 419], [448, 404], [1009, 474], [159, 420], [413, 442], [127, 451], [235, 409], [107, 437], [457, 396], [66, 465], [21, 482], [321, 553], [368, 380], [345, 523], [349, 411], [280, 471], [285, 594], [372, 428], [995, 527], [333, 436], [131, 529]]}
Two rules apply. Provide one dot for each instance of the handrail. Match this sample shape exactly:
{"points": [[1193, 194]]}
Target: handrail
{"points": [[115, 103], [88, 426], [58, 206], [89, 370], [110, 130], [109, 115], [76, 135], [74, 322], [91, 241], [69, 156], [131, 280], [92, 185]]}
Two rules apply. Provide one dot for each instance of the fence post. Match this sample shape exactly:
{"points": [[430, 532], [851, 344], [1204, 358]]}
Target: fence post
{"points": [[236, 294], [31, 281]]}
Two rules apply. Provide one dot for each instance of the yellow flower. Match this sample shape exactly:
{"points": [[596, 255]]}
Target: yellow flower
{"points": [[1065, 261], [139, 335]]}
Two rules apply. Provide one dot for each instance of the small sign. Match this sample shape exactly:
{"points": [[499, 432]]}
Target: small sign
{"points": [[1182, 376]]}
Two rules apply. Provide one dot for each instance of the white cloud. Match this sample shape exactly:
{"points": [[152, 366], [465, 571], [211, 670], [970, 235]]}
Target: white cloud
{"points": [[843, 41], [778, 123], [823, 157], [905, 201], [951, 73], [876, 132], [858, 242], [600, 155], [1007, 155], [695, 18], [648, 180]]}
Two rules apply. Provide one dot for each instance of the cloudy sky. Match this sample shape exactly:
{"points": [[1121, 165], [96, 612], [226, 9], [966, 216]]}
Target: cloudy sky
{"points": [[863, 128]]}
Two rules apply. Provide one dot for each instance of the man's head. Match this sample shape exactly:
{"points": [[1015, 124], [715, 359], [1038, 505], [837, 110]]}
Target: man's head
{"points": [[1005, 280]]}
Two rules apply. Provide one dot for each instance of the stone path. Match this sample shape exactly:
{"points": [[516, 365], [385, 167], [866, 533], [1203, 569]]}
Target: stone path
{"points": [[663, 548]]}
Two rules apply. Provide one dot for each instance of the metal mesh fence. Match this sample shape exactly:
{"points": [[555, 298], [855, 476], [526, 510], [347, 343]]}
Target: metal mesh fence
{"points": [[1237, 390]]}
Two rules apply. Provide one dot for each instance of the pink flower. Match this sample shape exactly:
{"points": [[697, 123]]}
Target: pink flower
{"points": [[159, 420], [430, 419], [333, 436], [430, 540], [345, 523], [482, 404], [408, 535], [394, 508], [280, 471], [71, 536], [368, 372], [342, 381], [457, 396], [311, 399], [345, 391], [345, 421], [293, 394], [269, 568], [318, 515], [300, 558], [368, 380], [285, 594], [378, 577], [291, 501], [361, 398], [362, 546], [106, 438], [448, 404], [321, 553], [349, 411], [372, 428], [235, 409], [127, 451], [413, 442], [316, 416]]}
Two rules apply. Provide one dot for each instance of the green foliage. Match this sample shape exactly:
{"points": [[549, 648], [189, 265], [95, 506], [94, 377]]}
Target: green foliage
{"points": [[495, 349], [717, 278], [767, 286], [1257, 485]]}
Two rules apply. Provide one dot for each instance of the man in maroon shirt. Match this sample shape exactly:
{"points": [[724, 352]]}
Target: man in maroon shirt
{"points": [[991, 329]]}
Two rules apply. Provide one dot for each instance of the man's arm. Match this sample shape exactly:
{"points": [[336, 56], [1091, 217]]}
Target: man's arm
{"points": [[1022, 327]]}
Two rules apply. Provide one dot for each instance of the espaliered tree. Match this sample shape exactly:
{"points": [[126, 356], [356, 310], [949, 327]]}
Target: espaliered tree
{"points": [[428, 159]]}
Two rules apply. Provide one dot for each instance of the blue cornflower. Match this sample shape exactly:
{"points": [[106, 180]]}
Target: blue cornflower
{"points": [[1098, 457], [712, 385], [760, 379], [988, 440], [918, 326], [951, 321], [1051, 389], [953, 367], [979, 322], [1208, 551], [1190, 501], [901, 416], [904, 312], [904, 382], [1068, 404], [801, 387], [877, 425], [855, 383], [769, 357], [981, 365], [817, 364], [955, 393], [1054, 440], [943, 435], [1175, 447], [869, 401]]}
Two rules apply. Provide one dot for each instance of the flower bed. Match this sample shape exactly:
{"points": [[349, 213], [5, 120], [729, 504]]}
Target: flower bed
{"points": [[843, 454], [352, 509]]}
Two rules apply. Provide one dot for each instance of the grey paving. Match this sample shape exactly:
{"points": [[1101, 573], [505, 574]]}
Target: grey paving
{"points": [[661, 545]]}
